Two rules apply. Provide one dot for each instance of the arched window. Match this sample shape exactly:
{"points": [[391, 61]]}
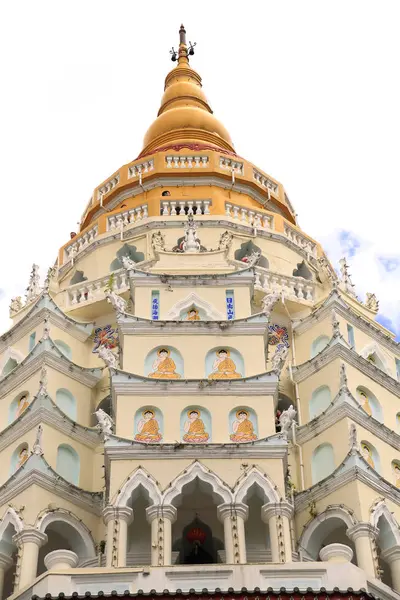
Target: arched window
{"points": [[130, 252], [322, 462], [9, 366], [166, 193], [68, 464], [369, 403], [319, 344], [63, 348], [18, 405], [370, 455], [19, 457], [320, 400], [66, 402]]}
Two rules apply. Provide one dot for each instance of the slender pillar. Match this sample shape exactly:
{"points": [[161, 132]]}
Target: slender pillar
{"points": [[277, 516], [29, 540], [363, 535], [117, 519], [5, 563], [392, 557], [233, 517], [161, 519]]}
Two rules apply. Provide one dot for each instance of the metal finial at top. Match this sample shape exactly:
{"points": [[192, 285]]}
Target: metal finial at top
{"points": [[182, 35], [184, 50]]}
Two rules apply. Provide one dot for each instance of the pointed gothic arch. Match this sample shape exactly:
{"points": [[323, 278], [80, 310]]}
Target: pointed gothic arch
{"points": [[198, 471], [316, 529], [262, 481], [380, 359], [10, 355], [139, 477], [382, 512], [74, 528], [11, 517], [194, 299]]}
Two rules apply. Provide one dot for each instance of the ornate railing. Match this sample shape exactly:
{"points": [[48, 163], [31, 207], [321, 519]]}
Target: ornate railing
{"points": [[127, 217], [108, 186], [292, 288], [185, 207], [141, 168], [80, 243], [265, 181], [249, 217], [232, 165], [300, 240], [93, 291], [189, 161]]}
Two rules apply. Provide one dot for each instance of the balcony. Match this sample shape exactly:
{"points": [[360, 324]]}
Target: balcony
{"points": [[253, 218], [108, 187], [141, 168], [127, 217], [192, 161], [292, 288], [184, 207], [300, 240], [93, 291], [80, 243]]}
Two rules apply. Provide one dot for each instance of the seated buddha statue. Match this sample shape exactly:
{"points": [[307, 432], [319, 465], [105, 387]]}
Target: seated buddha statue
{"points": [[366, 453], [148, 428], [224, 367], [193, 315], [365, 405], [243, 430], [195, 429], [23, 403], [164, 367]]}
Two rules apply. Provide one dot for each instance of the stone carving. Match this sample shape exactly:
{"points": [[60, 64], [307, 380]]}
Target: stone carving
{"points": [[191, 243], [105, 423], [33, 290], [343, 376], [46, 330], [43, 382], [279, 358], [118, 303], [158, 241], [225, 240], [353, 443], [128, 263], [51, 272], [37, 446], [286, 419], [335, 325], [72, 252], [346, 279], [327, 269], [15, 305], [108, 357], [253, 259], [372, 302], [268, 303]]}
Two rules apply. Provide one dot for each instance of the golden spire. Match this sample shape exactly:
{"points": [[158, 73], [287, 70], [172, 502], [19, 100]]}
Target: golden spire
{"points": [[185, 116]]}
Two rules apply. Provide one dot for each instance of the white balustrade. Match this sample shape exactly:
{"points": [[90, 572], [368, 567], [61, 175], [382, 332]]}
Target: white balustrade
{"points": [[93, 291], [293, 288], [185, 207], [192, 161], [265, 181], [80, 243], [127, 217], [300, 240], [108, 186], [249, 217], [225, 162], [141, 168]]}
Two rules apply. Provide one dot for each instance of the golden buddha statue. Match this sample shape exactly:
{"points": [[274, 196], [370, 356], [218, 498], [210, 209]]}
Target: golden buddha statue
{"points": [[224, 367], [164, 367], [364, 401], [148, 428], [366, 453], [22, 458], [193, 315], [23, 404], [243, 430], [195, 428]]}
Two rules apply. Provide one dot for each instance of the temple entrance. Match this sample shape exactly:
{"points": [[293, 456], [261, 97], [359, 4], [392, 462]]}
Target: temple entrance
{"points": [[197, 545]]}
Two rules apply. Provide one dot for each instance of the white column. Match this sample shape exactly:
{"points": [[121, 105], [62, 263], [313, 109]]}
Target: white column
{"points": [[169, 513], [161, 519], [29, 540], [363, 535], [277, 516], [5, 563], [59, 560], [337, 553], [392, 557], [117, 519], [233, 517]]}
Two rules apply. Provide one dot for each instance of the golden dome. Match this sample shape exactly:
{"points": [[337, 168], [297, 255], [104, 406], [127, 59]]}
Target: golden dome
{"points": [[185, 116]]}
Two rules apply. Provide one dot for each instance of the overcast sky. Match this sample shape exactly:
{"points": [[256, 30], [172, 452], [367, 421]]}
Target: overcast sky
{"points": [[309, 91]]}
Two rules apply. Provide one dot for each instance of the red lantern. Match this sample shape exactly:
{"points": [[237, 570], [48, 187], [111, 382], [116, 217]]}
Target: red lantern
{"points": [[196, 535]]}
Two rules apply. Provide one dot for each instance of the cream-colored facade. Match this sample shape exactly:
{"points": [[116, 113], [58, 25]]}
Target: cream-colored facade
{"points": [[147, 390]]}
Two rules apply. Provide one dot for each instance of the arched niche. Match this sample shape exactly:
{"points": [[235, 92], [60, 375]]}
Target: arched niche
{"points": [[396, 473], [369, 403], [66, 402], [373, 353], [11, 524], [303, 271], [195, 425], [10, 360], [18, 405], [128, 251], [328, 527], [320, 400], [246, 250], [78, 277], [164, 362], [63, 348], [319, 344], [104, 404], [19, 457], [322, 462], [370, 455], [9, 366], [148, 425], [398, 422], [192, 313], [68, 463], [224, 362], [243, 426], [180, 309]]}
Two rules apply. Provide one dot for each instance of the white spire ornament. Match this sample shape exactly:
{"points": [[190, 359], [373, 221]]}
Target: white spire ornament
{"points": [[345, 280], [191, 243], [33, 290]]}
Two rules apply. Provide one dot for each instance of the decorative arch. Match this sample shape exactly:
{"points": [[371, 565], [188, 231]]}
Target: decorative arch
{"points": [[198, 470], [63, 348], [379, 358], [320, 400], [369, 403], [18, 405], [317, 529], [11, 358], [391, 529], [164, 362], [227, 355], [11, 517], [319, 344], [322, 462], [82, 539], [194, 299], [137, 478], [68, 463], [19, 457], [129, 251], [246, 250], [66, 402], [370, 455], [261, 480], [302, 271]]}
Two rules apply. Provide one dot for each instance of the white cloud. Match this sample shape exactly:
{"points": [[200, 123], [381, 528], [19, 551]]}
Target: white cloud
{"points": [[308, 91]]}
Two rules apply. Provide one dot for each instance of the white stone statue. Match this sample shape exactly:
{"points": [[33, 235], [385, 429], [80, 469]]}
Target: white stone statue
{"points": [[253, 259], [72, 252], [191, 243], [46, 330], [105, 423], [37, 446], [118, 303], [15, 305], [335, 325], [158, 241], [128, 263], [353, 443], [343, 376], [51, 272], [286, 419], [43, 382], [33, 290], [372, 302], [346, 279], [279, 358], [108, 357], [326, 267], [225, 240], [268, 303]]}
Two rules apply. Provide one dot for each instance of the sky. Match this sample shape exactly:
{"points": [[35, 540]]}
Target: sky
{"points": [[309, 91]]}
